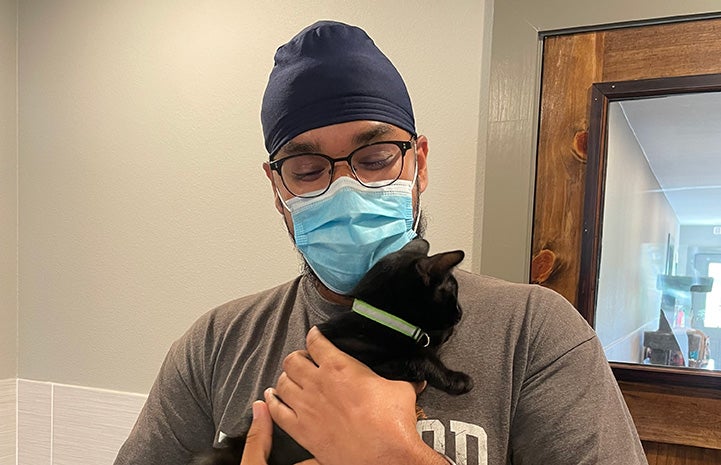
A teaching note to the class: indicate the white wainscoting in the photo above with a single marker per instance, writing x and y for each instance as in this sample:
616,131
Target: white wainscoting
8,421
72,425
35,406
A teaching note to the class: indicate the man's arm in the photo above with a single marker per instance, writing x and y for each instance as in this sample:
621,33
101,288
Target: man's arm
570,409
175,420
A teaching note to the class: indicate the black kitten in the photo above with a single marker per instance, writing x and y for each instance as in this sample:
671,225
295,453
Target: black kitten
408,284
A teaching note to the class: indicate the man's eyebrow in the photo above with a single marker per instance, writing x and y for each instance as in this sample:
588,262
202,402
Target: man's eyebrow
368,136
362,138
292,148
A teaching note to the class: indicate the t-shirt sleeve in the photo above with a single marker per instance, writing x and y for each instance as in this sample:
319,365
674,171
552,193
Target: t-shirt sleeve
570,409
175,420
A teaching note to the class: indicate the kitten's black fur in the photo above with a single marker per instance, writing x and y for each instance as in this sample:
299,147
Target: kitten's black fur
411,285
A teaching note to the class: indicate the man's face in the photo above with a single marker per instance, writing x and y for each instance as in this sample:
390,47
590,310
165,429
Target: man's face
337,141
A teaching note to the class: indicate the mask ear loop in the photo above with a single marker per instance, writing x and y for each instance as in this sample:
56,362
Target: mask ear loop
418,215
282,201
418,193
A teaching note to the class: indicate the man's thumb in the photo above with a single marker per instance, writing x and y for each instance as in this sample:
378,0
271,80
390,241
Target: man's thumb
260,436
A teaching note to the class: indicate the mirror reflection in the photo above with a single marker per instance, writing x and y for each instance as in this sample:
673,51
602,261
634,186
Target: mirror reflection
658,299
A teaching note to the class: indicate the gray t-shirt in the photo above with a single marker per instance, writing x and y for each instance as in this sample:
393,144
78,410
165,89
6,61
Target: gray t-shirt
544,393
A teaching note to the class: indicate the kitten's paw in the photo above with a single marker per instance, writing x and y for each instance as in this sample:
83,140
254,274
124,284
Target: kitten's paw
459,383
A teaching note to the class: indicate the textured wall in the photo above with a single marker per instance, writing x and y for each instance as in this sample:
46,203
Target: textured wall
8,190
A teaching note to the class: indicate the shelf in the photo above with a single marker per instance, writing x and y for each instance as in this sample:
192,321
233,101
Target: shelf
666,282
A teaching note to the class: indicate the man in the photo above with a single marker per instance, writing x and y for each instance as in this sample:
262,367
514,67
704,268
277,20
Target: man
347,169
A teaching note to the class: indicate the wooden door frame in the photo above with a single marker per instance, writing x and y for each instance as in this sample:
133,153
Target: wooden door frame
580,60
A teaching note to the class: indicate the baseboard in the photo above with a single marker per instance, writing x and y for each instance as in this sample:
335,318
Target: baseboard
8,421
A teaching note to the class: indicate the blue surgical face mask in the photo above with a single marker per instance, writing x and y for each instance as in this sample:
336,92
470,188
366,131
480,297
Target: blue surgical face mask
345,231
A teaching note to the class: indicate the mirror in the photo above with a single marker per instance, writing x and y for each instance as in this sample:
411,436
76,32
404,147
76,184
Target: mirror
651,245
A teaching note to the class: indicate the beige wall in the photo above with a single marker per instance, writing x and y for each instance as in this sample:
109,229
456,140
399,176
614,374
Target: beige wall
142,199
505,244
8,190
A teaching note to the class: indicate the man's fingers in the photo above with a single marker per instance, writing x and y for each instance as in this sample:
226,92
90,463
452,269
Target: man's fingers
320,349
260,436
287,389
283,415
298,361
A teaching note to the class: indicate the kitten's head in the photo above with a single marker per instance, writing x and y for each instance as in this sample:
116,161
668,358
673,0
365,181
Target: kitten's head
417,288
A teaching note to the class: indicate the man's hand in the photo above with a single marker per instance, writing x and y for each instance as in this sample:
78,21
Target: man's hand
260,436
344,413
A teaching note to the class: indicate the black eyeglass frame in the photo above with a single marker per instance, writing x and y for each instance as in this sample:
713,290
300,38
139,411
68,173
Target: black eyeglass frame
403,145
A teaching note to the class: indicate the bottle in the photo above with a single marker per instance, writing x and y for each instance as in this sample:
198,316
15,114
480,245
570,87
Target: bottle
679,317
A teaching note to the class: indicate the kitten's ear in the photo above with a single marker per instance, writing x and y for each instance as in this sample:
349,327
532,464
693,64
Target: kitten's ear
439,265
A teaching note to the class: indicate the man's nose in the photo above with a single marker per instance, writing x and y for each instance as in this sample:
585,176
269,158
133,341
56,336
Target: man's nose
342,169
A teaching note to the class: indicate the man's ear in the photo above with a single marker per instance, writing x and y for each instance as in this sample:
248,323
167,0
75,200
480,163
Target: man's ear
271,178
421,159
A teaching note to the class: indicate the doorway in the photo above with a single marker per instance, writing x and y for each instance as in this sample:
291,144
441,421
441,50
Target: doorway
673,420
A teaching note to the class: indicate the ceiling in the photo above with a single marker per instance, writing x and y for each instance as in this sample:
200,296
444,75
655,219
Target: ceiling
681,137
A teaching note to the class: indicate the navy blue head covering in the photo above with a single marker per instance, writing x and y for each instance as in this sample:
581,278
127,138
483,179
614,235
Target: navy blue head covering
327,74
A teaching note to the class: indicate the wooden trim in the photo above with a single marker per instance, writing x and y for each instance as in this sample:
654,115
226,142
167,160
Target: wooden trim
674,454
593,206
640,88
689,417
628,24
668,377
670,50
561,164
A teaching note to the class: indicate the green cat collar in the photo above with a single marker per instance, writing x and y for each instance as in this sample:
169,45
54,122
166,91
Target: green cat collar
391,321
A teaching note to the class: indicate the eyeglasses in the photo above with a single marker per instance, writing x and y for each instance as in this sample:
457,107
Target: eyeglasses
375,165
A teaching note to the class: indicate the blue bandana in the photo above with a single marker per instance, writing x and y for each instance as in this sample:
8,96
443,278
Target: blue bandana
327,74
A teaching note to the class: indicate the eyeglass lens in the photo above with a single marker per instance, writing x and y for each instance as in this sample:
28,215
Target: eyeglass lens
309,175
